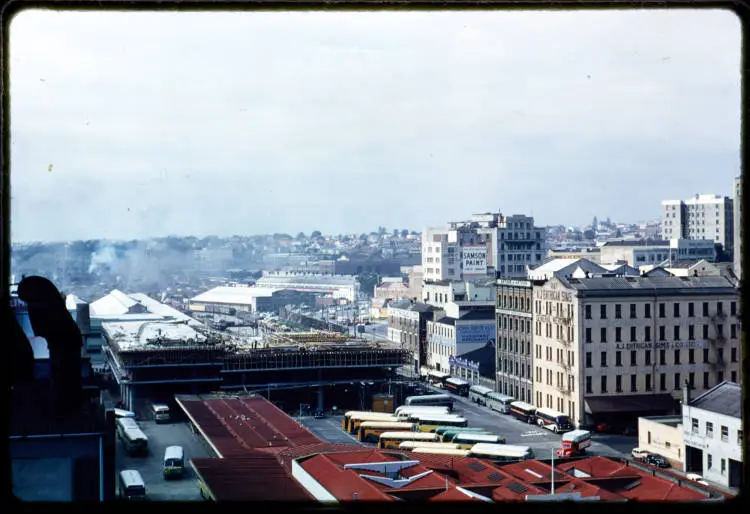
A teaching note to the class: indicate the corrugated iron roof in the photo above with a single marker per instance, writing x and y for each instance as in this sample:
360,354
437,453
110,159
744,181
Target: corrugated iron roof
255,476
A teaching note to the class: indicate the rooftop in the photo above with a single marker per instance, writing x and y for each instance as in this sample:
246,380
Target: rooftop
131,335
725,398
638,242
242,295
647,285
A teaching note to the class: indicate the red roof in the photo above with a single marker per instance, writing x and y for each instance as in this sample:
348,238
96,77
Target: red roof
452,494
343,484
252,477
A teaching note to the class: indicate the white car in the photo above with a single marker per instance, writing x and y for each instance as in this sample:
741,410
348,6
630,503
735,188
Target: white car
639,454
696,478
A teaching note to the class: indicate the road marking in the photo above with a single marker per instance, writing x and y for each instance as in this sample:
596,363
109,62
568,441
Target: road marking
533,433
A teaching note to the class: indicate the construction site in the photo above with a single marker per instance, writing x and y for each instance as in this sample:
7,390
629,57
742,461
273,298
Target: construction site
153,361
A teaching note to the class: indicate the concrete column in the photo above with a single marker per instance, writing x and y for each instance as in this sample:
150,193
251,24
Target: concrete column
320,391
131,397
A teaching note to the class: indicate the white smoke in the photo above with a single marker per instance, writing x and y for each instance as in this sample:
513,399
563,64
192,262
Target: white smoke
105,256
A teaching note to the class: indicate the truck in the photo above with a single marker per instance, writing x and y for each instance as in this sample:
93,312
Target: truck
574,443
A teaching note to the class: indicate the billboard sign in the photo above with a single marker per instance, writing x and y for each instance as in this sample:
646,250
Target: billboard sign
474,258
480,333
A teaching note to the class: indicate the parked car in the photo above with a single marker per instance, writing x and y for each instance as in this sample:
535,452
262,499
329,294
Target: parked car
656,460
319,414
639,454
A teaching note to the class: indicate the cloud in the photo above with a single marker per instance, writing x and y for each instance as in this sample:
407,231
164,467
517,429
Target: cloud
281,122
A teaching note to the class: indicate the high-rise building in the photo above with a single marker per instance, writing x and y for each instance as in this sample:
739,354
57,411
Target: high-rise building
514,338
701,217
488,244
738,227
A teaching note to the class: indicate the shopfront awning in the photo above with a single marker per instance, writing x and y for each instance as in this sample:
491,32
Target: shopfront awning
629,403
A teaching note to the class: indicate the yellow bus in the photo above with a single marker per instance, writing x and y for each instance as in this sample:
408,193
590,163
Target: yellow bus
348,416
466,440
356,419
406,410
410,445
431,422
394,439
370,431
456,452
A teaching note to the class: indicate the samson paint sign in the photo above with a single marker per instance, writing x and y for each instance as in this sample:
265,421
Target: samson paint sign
474,259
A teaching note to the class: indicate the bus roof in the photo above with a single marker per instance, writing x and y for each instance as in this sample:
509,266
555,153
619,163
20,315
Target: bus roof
429,397
426,444
523,405
480,438
127,423
358,412
480,389
441,451
386,424
499,396
373,416
575,435
435,373
503,450
122,413
424,436
131,477
551,412
427,408
457,430
135,433
436,417
173,452
457,381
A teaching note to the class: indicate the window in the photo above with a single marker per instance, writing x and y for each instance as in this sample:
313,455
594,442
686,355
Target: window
603,311
632,334
705,380
633,380
739,438
618,358
663,381
604,359
720,351
632,311
709,461
676,332
720,377
618,334
691,380
724,434
588,312
694,422
734,356
720,307
691,332
691,356
648,381
588,334
733,308
723,466
677,357
647,313
662,333
691,310
733,331
647,334
705,331
709,429
676,381
648,357
618,383
604,384
705,355
662,357
720,330
588,359
603,334
633,360
705,308
618,311
662,310
588,385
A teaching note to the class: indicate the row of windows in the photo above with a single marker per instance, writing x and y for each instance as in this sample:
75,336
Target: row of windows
561,357
561,380
604,308
676,384
508,323
677,357
507,345
522,393
514,368
695,429
514,302
559,406
676,335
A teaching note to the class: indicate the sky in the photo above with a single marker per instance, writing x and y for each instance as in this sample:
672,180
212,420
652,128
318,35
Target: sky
135,125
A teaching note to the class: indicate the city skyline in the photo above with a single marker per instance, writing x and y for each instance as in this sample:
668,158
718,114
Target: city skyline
411,119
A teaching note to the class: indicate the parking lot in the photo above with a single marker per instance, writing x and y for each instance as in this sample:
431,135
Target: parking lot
542,441
150,466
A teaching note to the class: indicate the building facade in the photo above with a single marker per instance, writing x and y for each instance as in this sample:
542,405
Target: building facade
514,361
610,349
407,325
461,330
662,435
488,244
712,425
444,292
654,252
738,227
701,217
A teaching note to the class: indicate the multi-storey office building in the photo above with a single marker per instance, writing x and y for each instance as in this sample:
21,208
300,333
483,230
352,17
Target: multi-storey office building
488,244
701,217
407,325
464,328
610,349
514,362
738,227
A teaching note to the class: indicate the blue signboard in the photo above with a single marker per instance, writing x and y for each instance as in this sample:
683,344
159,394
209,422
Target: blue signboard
480,333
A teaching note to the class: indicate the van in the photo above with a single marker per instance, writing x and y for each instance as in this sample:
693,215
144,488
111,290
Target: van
174,462
131,485
161,412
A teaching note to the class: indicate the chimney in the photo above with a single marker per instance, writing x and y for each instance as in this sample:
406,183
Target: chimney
686,393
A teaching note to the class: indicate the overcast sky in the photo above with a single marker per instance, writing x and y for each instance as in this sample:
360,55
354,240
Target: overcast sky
129,125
